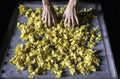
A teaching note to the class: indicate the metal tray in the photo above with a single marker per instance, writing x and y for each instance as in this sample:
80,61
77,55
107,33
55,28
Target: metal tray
107,69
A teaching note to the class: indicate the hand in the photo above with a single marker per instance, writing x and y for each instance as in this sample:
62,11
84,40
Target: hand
70,14
49,15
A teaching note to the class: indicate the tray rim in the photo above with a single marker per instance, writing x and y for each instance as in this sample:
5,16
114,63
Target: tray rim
8,35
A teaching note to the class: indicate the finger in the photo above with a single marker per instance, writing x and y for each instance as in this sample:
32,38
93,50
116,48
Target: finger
54,20
52,17
73,21
46,19
43,16
64,15
72,18
74,10
44,13
76,18
65,21
49,20
69,21
65,12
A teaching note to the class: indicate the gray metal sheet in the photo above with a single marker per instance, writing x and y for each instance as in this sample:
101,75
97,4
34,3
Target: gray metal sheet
107,69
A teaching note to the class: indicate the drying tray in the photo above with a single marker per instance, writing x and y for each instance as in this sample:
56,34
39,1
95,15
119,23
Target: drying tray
106,70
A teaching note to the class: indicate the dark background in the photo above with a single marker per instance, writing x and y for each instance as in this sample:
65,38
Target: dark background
111,13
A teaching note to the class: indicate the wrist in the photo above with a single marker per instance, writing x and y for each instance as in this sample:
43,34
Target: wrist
72,3
46,3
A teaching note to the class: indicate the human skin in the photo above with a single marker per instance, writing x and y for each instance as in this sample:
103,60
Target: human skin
70,14
49,15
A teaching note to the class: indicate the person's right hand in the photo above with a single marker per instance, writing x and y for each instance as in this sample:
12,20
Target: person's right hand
49,15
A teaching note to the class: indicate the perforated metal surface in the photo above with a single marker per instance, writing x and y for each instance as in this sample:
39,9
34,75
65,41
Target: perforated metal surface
105,71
